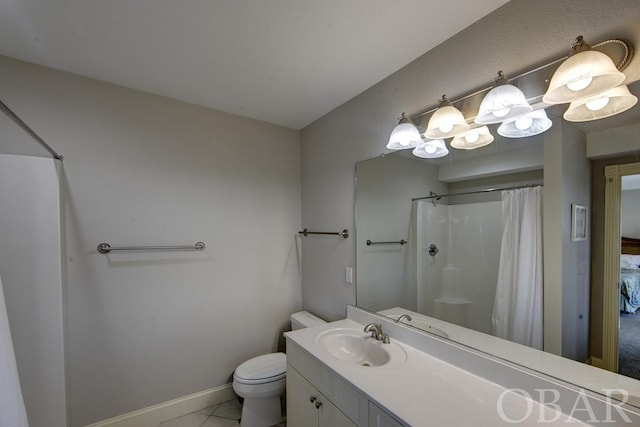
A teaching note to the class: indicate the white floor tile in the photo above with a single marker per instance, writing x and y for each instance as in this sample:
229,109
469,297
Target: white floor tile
189,420
208,410
230,409
220,422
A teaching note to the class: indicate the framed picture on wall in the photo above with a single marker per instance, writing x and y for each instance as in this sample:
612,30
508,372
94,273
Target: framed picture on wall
578,223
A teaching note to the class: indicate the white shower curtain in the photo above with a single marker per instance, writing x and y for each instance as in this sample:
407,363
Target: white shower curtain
517,309
12,411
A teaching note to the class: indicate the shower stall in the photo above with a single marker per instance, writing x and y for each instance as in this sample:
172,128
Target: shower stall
457,258
478,261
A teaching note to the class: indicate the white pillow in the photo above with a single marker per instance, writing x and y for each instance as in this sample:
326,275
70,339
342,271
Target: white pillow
629,261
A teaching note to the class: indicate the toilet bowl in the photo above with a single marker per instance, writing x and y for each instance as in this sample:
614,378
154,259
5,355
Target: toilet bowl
261,381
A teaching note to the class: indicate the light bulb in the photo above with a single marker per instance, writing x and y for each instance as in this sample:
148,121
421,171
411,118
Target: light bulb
430,148
597,104
445,127
524,123
501,112
580,84
404,139
472,136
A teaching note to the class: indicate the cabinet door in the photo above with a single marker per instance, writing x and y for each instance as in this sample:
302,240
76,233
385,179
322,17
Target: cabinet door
379,418
301,400
330,416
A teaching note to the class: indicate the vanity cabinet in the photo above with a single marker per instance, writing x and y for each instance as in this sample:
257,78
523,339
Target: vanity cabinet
379,418
318,397
340,404
307,407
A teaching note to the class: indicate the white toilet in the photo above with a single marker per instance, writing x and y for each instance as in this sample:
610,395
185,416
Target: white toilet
261,381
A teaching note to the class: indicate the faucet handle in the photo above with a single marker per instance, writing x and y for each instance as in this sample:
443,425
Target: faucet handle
375,329
384,338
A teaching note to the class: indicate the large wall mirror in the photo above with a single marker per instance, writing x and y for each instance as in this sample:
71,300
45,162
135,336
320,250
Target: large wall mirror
434,241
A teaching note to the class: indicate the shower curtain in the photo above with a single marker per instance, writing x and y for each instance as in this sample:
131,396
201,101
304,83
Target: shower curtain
12,411
517,309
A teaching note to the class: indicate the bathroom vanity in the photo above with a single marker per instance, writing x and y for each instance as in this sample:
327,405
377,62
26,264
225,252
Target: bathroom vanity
339,376
318,396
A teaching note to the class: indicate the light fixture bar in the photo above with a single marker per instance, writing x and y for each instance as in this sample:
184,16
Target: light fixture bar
624,61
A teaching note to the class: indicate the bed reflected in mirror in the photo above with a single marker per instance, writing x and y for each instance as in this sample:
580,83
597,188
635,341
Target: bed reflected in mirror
629,325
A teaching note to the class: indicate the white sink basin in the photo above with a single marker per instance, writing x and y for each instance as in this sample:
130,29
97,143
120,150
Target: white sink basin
356,347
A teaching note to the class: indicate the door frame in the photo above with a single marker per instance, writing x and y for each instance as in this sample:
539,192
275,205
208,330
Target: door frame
611,297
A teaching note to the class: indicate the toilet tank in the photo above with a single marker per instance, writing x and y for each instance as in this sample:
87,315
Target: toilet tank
304,319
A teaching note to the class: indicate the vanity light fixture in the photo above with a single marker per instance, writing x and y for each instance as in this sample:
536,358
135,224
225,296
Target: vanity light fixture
405,135
502,103
607,104
446,122
431,149
588,79
528,125
472,139
585,73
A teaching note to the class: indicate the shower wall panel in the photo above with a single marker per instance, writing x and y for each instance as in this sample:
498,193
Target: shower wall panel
464,271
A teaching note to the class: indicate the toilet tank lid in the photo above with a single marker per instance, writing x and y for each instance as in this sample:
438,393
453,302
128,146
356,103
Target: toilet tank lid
262,367
304,319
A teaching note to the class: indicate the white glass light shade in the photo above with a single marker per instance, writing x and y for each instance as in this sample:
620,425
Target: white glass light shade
446,122
502,103
607,104
528,125
431,149
405,135
582,75
472,139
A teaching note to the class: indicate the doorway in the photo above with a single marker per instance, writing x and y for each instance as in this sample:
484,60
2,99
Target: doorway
621,304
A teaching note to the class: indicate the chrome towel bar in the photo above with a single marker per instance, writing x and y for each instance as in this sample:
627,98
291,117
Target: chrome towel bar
401,242
105,248
344,233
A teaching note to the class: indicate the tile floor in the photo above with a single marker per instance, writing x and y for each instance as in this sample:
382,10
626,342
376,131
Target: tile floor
226,414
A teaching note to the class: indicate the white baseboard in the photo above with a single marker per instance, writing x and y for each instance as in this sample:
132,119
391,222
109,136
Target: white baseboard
154,415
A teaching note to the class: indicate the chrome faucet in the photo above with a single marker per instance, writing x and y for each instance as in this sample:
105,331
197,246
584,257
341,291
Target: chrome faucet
376,332
404,317
375,329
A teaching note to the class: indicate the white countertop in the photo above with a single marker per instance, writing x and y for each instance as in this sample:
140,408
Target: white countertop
425,390
567,370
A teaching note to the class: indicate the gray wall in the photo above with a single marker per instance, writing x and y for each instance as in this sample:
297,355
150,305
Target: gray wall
385,212
576,179
630,214
566,263
515,37
139,169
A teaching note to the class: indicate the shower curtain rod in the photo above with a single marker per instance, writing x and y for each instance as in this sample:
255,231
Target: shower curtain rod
17,120
437,196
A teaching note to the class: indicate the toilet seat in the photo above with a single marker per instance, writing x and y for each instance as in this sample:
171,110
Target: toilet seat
262,369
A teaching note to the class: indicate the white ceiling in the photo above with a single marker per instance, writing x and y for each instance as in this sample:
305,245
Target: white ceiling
287,62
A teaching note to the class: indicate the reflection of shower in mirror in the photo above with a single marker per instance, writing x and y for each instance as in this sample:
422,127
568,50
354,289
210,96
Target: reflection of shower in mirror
458,286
